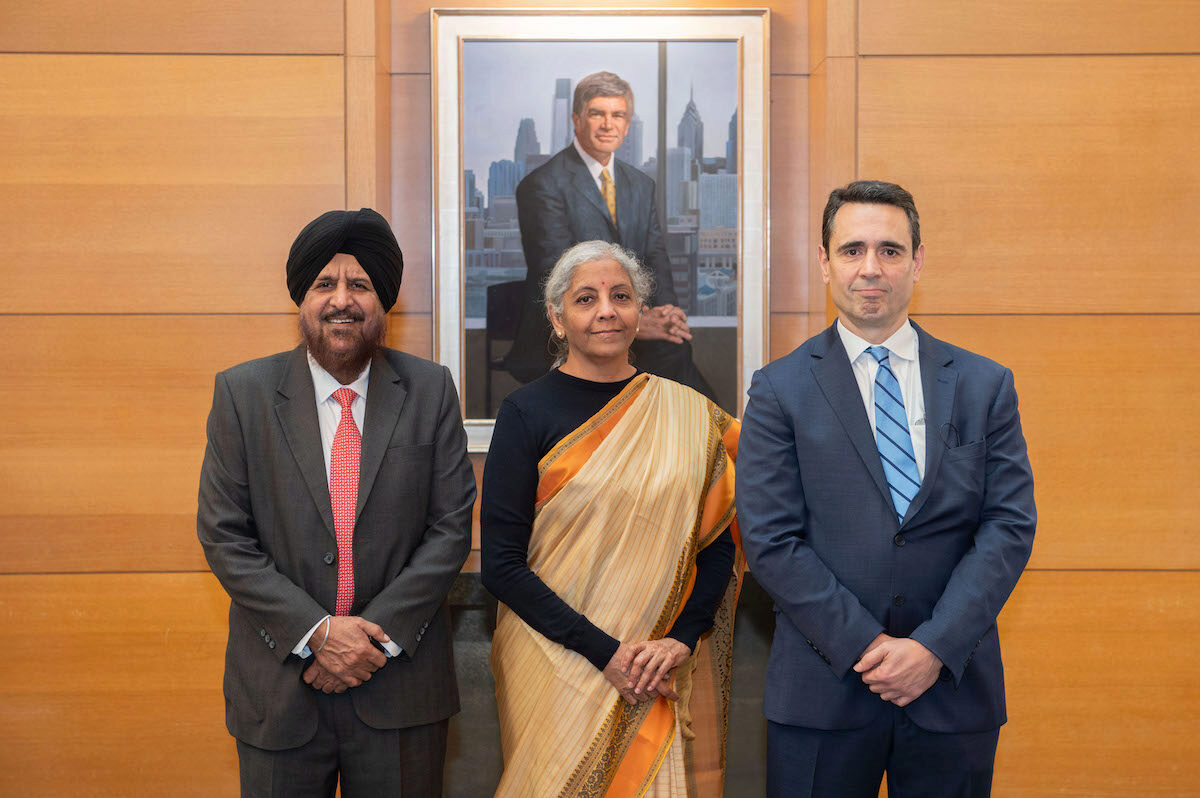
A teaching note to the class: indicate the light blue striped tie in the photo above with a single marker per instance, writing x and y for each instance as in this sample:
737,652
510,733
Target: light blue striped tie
892,435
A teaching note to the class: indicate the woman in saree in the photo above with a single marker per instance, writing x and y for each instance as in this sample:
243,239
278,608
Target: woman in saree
608,538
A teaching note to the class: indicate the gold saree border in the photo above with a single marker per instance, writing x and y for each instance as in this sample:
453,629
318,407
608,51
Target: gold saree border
631,743
569,455
621,762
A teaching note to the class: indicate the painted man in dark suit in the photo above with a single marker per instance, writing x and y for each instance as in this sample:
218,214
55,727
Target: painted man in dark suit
584,194
335,509
886,504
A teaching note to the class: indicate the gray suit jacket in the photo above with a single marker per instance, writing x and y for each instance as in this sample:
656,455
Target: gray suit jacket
558,206
821,535
266,526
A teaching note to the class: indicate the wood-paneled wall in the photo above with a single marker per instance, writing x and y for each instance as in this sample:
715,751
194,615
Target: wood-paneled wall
1049,150
158,161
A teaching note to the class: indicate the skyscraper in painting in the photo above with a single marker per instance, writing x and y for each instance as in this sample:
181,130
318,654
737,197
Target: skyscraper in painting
631,148
690,130
731,152
503,177
561,129
527,143
718,201
680,181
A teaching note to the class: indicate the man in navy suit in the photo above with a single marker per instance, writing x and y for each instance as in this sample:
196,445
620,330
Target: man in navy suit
886,504
585,194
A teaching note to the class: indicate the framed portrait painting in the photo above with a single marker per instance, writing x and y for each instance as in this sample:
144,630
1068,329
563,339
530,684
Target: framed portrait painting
504,106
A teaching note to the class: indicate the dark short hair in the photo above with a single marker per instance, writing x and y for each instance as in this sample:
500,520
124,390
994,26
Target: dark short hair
600,84
871,192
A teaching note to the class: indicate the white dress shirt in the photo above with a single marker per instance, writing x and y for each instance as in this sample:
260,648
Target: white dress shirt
329,415
594,167
904,358
329,412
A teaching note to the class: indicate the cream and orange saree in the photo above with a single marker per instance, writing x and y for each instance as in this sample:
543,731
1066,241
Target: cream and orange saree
624,503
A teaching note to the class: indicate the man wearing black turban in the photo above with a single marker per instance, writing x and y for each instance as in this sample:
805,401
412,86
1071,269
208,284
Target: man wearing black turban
337,528
364,234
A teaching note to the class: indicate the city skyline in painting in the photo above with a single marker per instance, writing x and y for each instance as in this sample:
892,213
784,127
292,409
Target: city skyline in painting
511,128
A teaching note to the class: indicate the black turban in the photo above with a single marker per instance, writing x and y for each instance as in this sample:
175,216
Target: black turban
364,234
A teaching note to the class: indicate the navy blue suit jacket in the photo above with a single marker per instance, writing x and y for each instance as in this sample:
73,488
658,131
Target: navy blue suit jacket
821,535
558,206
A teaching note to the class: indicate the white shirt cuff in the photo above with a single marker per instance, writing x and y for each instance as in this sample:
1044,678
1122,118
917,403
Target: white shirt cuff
302,650
391,648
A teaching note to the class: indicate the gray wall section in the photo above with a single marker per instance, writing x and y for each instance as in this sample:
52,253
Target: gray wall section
473,761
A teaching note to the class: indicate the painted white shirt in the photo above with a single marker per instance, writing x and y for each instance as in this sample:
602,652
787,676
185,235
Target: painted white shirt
594,166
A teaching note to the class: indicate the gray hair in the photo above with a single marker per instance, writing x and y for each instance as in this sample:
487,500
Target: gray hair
559,280
601,84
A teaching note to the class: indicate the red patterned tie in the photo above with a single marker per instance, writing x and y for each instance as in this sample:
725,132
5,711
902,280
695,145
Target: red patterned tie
343,495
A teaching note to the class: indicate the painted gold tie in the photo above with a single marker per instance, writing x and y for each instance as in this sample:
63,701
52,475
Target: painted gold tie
608,189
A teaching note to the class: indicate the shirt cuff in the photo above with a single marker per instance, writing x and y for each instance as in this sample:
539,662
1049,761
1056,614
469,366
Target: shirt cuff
302,650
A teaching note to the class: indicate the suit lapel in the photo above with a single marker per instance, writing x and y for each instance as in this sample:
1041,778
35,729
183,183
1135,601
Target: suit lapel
585,186
938,383
836,379
385,396
297,414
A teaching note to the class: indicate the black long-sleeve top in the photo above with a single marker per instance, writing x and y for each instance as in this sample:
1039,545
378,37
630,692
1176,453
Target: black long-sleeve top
531,421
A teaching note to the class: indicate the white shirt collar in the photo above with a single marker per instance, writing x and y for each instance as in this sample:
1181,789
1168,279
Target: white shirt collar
325,383
594,166
902,343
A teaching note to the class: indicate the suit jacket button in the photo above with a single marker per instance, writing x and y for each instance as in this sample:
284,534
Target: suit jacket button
271,644
898,540
898,601
262,632
329,558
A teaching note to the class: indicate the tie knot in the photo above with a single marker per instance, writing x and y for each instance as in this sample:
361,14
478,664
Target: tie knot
344,397
880,353
605,176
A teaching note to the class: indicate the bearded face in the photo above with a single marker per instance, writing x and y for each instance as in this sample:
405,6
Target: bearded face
341,319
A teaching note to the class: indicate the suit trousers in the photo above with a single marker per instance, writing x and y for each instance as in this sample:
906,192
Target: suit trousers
816,763
371,762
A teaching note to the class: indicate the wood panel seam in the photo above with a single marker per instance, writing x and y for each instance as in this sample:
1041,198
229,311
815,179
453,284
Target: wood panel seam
157,53
1183,53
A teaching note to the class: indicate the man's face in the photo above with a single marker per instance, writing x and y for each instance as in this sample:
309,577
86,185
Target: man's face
601,127
870,268
341,318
